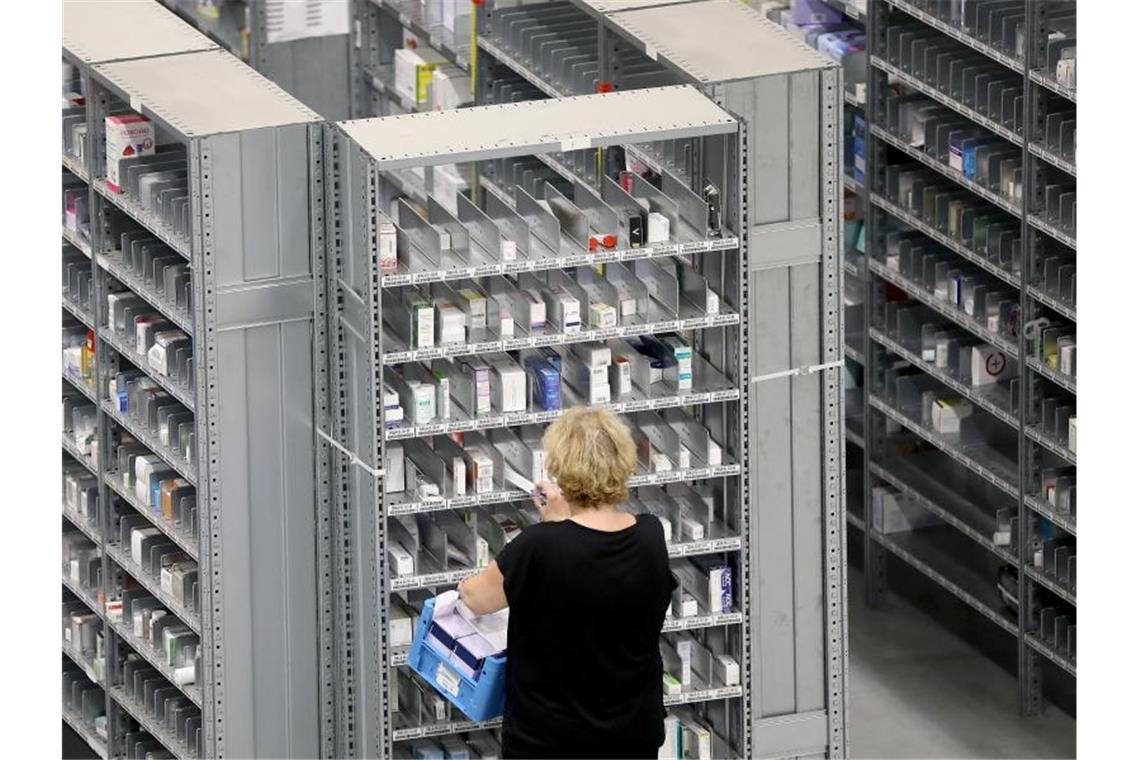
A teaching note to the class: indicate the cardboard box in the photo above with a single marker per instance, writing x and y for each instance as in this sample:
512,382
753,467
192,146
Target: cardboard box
892,512
413,72
946,414
386,237
508,385
128,135
988,365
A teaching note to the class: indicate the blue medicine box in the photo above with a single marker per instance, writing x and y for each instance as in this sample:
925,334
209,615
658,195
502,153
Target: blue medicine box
481,696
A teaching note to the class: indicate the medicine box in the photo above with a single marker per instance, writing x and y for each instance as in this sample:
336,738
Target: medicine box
413,75
892,512
128,135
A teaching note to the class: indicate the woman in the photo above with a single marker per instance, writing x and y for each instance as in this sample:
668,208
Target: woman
588,589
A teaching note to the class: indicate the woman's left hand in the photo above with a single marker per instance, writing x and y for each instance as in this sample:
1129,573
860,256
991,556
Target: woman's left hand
550,502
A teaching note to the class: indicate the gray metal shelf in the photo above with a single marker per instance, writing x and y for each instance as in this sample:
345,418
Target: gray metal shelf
77,657
920,483
453,577
443,729
1051,444
85,596
945,309
1005,204
155,659
153,726
1067,382
936,94
1052,231
1048,156
150,440
1053,85
649,251
144,218
154,587
1068,522
972,459
70,447
79,313
507,59
1056,658
693,474
86,733
76,242
1053,586
180,317
637,404
403,356
931,552
81,523
76,167
956,34
177,390
994,399
1062,308
79,385
187,543
950,243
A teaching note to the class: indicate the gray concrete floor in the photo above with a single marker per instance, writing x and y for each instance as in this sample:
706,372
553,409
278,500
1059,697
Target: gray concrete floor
919,691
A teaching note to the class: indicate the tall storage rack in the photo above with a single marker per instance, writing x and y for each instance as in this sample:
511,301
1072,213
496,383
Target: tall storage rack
363,176
239,526
797,636
313,69
993,506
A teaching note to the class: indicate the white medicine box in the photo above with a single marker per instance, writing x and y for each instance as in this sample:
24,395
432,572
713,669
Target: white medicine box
128,135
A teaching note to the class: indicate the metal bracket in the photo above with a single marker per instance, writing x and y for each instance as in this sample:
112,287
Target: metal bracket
807,369
352,457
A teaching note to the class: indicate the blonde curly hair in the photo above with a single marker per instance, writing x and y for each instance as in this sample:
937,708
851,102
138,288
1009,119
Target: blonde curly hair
591,455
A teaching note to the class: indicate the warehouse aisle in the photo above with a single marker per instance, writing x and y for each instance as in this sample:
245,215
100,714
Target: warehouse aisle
919,691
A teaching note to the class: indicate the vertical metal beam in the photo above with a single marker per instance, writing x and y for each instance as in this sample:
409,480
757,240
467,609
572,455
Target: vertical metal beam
321,422
97,109
833,476
874,556
1029,663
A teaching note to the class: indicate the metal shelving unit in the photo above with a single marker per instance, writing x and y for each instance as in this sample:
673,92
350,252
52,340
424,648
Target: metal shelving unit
303,50
241,149
624,46
992,476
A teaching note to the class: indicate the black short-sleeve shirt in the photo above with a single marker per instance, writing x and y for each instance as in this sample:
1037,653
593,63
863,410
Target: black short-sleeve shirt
583,667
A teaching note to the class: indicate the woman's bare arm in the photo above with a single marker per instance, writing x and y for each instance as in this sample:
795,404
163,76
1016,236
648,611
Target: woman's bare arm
483,593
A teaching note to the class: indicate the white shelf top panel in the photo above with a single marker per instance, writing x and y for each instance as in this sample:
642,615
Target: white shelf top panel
98,31
204,93
616,6
717,40
538,126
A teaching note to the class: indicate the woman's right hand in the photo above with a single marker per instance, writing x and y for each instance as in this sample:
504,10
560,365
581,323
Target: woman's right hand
550,502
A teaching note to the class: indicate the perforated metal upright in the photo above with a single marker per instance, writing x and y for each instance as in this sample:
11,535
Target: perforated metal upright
260,604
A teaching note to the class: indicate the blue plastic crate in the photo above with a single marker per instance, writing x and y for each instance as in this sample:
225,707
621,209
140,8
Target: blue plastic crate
481,697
